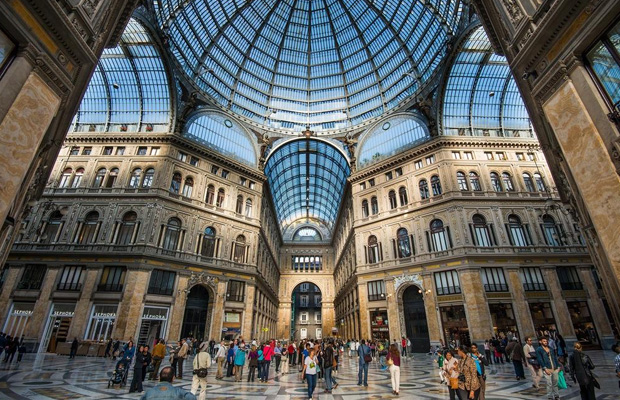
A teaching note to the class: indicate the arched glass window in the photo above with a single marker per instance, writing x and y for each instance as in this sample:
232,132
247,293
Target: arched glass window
208,243
481,232
403,243
220,198
127,228
474,181
188,187
101,173
248,208
540,183
436,185
507,179
517,232
402,194
136,175
461,180
172,234
89,229
527,181
239,249
551,231
210,198
175,184
392,198
374,205
65,178
495,182
52,228
365,212
77,179
148,178
424,189
112,178
239,206
373,250
440,240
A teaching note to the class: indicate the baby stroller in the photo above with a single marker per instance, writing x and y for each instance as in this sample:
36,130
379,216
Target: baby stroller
119,376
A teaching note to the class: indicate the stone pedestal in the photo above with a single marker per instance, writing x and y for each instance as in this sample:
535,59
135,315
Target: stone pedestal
476,307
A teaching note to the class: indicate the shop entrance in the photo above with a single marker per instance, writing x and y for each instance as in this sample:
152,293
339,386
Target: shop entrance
455,329
57,327
195,318
415,320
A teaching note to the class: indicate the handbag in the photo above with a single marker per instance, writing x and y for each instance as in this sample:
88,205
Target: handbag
367,357
200,372
561,380
390,362
454,383
334,363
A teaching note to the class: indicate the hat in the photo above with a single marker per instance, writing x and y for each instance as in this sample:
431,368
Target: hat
515,339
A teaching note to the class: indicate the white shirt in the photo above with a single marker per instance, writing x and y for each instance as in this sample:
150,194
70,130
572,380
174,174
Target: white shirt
310,365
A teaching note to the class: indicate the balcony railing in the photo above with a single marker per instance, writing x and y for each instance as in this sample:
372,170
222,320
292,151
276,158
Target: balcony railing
232,297
69,286
110,287
496,287
534,287
448,290
376,297
29,285
571,285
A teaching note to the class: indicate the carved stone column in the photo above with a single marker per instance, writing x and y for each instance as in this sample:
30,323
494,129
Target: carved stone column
42,306
80,321
560,309
246,327
520,304
476,307
130,309
363,324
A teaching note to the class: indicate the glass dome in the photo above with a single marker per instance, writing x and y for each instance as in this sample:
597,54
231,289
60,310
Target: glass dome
329,64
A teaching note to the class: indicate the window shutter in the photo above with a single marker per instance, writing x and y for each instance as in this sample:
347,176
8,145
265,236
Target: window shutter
473,236
413,252
366,254
394,248
509,235
542,229
449,236
528,235
428,241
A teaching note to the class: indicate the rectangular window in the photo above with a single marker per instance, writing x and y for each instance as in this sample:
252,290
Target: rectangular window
194,161
569,278
101,322
235,291
214,169
398,171
112,279
363,186
242,181
107,151
388,176
456,155
303,300
141,151
182,156
7,51
32,277
154,151
225,173
120,151
74,151
494,280
430,160
376,290
469,155
371,182
604,63
531,156
447,282
501,155
307,263
87,151
488,155
304,287
418,164
317,300
317,319
70,278
520,156
303,318
161,282
532,279
252,185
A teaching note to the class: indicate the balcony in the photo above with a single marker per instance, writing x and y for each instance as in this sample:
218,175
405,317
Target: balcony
496,287
231,297
29,285
110,287
571,285
69,286
535,287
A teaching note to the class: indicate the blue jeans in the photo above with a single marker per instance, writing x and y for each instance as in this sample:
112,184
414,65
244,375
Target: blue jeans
363,369
329,380
311,379
266,370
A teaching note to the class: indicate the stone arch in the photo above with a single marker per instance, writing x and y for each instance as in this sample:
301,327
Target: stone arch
418,332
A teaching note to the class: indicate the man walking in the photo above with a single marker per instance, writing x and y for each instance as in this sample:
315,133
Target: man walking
403,346
74,348
362,351
532,363
159,352
179,358
328,363
220,356
548,361
202,361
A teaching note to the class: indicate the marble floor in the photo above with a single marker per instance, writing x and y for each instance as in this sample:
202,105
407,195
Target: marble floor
50,376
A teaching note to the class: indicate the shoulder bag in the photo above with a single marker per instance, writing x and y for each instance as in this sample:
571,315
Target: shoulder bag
367,357
200,372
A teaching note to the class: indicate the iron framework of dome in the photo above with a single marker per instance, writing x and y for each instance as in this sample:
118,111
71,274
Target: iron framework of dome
327,64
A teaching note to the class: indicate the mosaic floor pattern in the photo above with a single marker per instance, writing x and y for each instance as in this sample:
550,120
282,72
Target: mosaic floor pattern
49,376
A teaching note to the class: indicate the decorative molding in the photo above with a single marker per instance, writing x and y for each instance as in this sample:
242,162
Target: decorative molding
416,279
201,278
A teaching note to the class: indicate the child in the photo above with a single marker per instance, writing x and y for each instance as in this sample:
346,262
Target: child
439,362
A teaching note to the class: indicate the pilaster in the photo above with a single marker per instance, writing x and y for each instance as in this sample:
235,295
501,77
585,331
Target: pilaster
476,307
218,311
130,310
394,305
7,291
246,327
79,322
364,319
432,311
178,310
41,307
597,309
560,309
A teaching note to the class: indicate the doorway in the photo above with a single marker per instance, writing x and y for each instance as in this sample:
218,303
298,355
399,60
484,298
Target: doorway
415,320
195,318
306,318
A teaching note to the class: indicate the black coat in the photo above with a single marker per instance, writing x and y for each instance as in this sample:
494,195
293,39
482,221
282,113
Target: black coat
580,367
139,361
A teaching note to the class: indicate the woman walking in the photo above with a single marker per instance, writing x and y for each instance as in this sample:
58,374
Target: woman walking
309,372
136,383
581,367
239,362
469,384
253,364
450,368
393,361
284,361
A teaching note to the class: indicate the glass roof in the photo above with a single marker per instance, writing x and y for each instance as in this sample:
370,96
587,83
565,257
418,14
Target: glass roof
329,64
218,132
307,178
481,97
129,89
392,136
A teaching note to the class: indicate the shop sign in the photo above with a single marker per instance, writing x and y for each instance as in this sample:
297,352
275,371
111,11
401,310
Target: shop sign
155,313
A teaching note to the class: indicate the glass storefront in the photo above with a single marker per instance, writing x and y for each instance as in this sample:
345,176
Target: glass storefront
583,323
455,328
379,325
154,324
19,318
503,318
102,321
542,317
57,328
232,325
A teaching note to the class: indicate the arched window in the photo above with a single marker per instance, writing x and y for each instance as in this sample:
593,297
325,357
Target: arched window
112,178
89,229
551,231
373,250
392,198
136,175
461,180
175,184
495,182
436,185
127,228
210,194
188,187
527,181
439,236
220,198
172,234
364,208
402,194
507,179
481,232
65,178
517,233
52,228
248,208
99,177
423,189
239,248
208,243
374,205
77,178
474,181
540,183
239,206
148,178
403,244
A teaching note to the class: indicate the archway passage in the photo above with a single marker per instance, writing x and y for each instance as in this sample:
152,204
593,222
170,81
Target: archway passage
306,315
415,320
195,318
